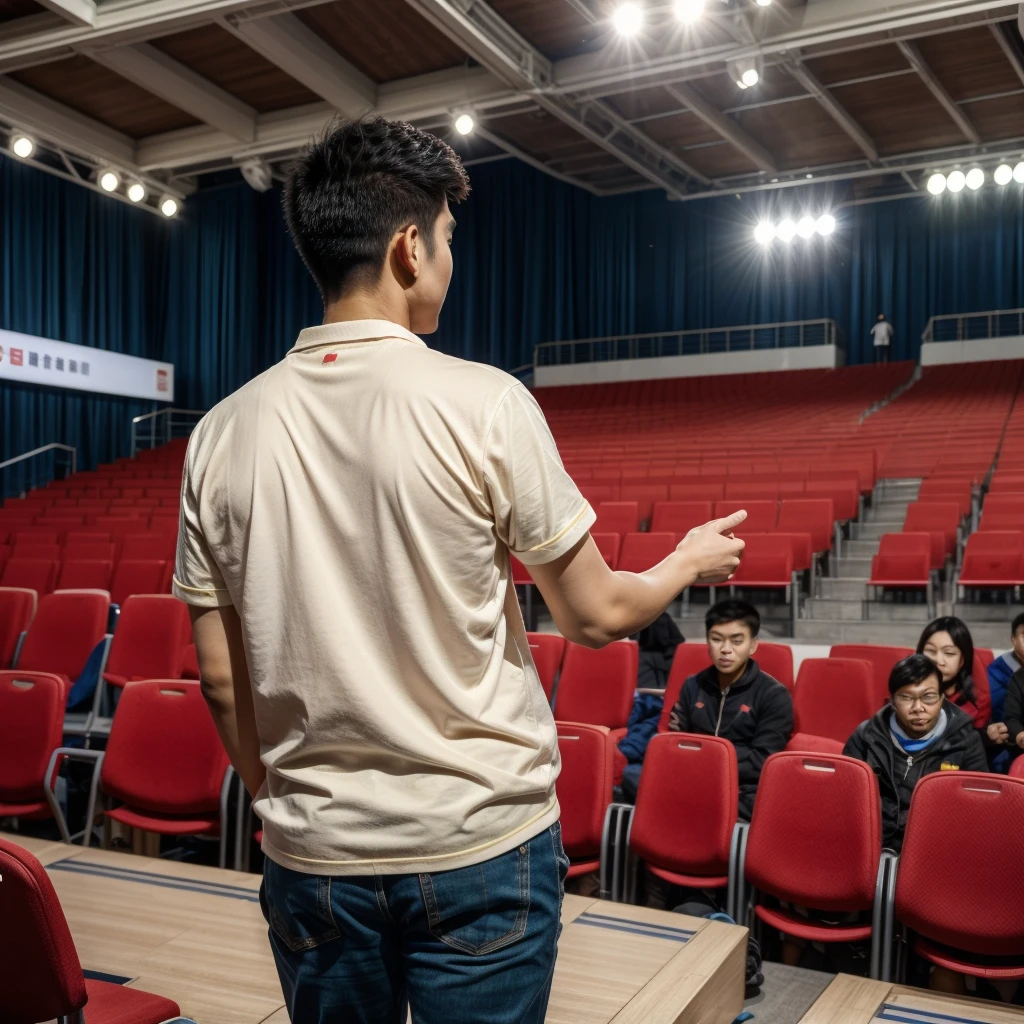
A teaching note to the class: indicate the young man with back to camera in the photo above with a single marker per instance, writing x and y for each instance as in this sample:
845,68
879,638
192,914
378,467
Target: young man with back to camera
917,733
346,524
733,698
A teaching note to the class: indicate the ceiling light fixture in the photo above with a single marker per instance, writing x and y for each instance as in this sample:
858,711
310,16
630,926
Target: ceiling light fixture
109,180
826,224
169,206
689,11
937,183
785,231
136,191
628,19
1018,172
975,178
464,124
764,233
956,181
806,226
22,146
1003,175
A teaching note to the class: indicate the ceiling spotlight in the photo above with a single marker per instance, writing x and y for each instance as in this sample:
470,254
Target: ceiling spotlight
169,206
785,231
937,184
464,124
1018,172
628,19
745,73
826,224
975,178
257,174
1004,174
23,146
109,180
764,233
136,191
806,226
764,3
689,10
956,181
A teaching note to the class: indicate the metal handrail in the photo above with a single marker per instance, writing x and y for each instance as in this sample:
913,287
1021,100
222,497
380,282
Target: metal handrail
153,419
997,323
701,341
54,446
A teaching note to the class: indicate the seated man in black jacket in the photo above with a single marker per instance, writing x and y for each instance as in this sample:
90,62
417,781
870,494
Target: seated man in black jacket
919,732
733,698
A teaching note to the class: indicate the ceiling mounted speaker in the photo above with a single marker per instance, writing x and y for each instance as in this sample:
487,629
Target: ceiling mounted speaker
258,174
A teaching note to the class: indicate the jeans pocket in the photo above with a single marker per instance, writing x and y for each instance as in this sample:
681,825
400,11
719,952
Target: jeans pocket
482,908
297,907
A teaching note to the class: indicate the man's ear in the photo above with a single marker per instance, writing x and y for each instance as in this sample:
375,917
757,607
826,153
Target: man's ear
408,251
753,646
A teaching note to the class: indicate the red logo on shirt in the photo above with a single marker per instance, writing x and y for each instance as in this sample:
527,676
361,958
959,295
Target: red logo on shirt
744,708
330,357
699,704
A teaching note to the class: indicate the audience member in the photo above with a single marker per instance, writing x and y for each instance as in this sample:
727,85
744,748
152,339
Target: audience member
916,734
734,698
1001,671
1010,731
947,642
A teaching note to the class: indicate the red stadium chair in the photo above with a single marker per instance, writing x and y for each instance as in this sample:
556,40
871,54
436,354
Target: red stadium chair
138,577
958,922
679,517
141,547
686,832
980,570
697,490
37,535
808,744
801,546
548,651
88,551
30,574
688,660
620,517
92,574
31,727
768,564
608,545
815,841
882,660
152,633
43,976
761,515
833,696
645,495
935,517
584,790
36,552
597,687
905,562
17,610
642,551
777,661
1017,768
844,495
937,489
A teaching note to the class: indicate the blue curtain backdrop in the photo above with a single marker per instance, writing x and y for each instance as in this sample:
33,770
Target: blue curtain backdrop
221,293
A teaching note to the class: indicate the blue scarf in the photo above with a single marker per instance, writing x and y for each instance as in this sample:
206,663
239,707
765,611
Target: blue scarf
915,746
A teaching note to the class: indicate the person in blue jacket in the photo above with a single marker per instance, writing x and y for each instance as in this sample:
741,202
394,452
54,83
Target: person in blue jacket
1001,671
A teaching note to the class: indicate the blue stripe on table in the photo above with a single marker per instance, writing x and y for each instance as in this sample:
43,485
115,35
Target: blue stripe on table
79,867
624,924
913,1015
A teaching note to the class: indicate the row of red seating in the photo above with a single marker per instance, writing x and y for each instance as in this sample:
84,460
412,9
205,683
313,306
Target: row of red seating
45,576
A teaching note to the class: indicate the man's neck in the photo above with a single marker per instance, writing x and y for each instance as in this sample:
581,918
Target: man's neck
361,304
725,682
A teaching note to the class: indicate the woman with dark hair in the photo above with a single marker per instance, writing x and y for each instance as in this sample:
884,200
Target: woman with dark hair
947,642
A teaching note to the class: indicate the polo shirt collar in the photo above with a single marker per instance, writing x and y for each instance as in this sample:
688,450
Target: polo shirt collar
348,331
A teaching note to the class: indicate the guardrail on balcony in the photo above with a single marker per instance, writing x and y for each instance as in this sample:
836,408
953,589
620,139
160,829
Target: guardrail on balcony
26,471
997,323
748,338
157,428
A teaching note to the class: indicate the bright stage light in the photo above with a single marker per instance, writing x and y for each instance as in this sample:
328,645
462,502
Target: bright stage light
975,178
109,180
764,3
764,233
937,184
136,191
23,146
1018,172
628,19
956,181
785,231
169,206
1004,174
745,73
750,78
805,226
689,11
826,224
464,124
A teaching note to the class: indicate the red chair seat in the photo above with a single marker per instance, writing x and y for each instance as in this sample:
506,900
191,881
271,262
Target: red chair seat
583,867
118,1004
165,826
690,881
37,809
944,958
793,924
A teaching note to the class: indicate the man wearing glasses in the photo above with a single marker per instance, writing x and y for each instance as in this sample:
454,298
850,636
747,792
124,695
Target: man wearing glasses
915,734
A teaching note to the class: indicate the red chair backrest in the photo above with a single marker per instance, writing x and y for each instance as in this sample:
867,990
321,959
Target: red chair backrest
141,547
77,551
67,627
688,660
882,660
608,545
905,544
986,542
30,574
680,517
152,633
31,727
642,551
37,552
816,832
85,575
777,661
547,650
686,804
42,974
137,577
761,515
833,696
977,910
164,754
17,609
989,567
584,786
190,663
808,744
815,516
1017,768
932,516
766,559
617,517
597,687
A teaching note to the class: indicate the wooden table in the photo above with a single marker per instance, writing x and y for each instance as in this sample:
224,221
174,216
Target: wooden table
196,935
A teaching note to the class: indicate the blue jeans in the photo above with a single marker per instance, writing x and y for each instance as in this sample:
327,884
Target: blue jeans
475,945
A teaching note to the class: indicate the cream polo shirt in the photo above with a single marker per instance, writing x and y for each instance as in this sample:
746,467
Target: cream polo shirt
356,503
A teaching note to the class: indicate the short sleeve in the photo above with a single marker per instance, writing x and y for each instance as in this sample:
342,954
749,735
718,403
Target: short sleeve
197,578
539,512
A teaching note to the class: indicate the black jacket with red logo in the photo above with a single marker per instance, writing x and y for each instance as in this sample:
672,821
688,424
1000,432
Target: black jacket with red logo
755,714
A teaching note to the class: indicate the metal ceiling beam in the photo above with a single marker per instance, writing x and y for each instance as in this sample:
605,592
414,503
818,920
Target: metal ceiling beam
513,150
298,51
835,110
489,39
154,71
938,90
724,126
77,12
1013,55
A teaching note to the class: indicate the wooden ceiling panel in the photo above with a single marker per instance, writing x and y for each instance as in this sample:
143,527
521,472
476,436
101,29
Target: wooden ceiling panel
11,9
722,92
681,129
543,136
969,63
900,118
100,93
800,134
216,54
385,39
1001,118
643,103
720,161
555,27
841,67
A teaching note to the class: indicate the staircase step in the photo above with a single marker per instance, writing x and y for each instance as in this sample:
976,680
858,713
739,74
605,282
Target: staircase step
852,568
860,549
887,512
834,609
993,614
873,530
837,587
897,634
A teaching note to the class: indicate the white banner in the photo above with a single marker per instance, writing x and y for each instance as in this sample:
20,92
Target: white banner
59,364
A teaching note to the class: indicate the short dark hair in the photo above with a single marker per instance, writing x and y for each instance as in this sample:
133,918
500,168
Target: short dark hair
356,185
732,610
910,671
1016,624
963,641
